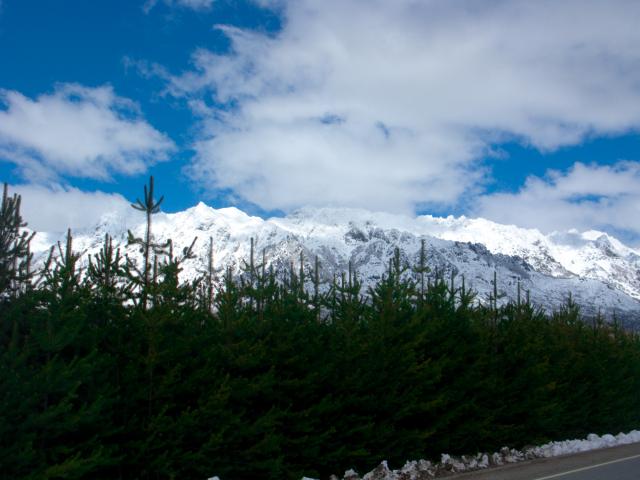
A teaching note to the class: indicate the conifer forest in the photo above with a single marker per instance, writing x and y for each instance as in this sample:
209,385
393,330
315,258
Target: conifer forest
120,370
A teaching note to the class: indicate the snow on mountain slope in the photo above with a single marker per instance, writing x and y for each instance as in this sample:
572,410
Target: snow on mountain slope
598,269
591,254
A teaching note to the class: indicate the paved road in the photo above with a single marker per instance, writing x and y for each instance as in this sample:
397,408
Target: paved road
626,469
617,463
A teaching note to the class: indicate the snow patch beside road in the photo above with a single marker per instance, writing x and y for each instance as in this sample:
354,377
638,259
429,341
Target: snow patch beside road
424,469
592,442
448,464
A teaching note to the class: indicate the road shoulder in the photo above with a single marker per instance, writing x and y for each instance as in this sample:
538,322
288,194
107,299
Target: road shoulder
545,467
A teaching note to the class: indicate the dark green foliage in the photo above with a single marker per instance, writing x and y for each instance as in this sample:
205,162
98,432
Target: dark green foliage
104,374
56,397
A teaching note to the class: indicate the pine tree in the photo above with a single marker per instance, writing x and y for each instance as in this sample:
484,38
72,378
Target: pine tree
261,386
206,287
148,247
61,427
422,269
105,273
15,255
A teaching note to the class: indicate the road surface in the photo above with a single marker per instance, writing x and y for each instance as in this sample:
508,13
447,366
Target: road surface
617,463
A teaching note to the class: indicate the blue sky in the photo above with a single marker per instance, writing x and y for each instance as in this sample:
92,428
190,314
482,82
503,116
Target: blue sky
521,112
91,43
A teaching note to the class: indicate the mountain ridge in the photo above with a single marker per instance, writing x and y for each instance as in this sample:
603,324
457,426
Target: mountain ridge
598,269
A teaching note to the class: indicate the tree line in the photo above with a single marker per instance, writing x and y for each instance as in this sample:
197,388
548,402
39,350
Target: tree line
123,371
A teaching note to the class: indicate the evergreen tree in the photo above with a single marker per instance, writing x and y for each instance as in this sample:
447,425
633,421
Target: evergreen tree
15,256
112,372
62,424
143,276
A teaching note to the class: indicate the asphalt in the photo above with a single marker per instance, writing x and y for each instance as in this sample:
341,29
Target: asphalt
616,463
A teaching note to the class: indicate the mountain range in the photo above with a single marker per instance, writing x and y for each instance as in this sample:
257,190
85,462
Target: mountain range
600,272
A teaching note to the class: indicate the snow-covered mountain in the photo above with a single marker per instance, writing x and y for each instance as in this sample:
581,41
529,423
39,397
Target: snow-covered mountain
596,268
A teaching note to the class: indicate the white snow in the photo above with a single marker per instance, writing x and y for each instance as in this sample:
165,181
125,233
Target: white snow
592,442
448,464
598,269
419,469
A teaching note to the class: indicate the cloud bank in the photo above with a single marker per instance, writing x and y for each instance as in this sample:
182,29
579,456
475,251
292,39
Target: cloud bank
77,131
198,5
56,208
585,197
393,105
384,105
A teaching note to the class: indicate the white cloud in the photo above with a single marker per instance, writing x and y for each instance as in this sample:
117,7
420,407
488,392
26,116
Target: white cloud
198,5
56,208
77,131
584,197
282,165
389,105
195,4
